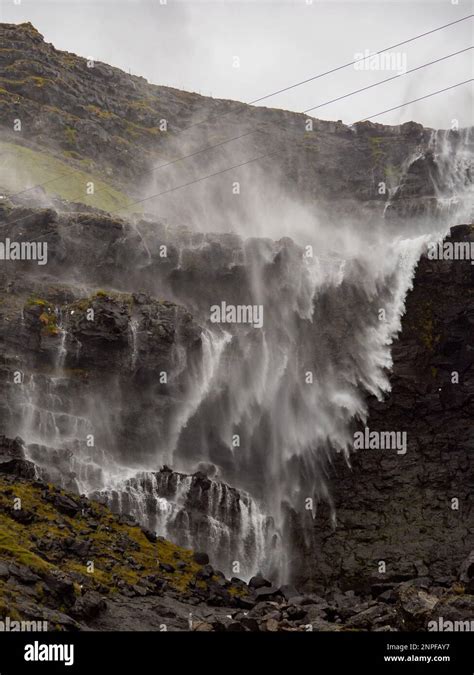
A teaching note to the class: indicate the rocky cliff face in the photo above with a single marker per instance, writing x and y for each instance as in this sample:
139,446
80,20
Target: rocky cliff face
117,127
411,511
69,564
216,435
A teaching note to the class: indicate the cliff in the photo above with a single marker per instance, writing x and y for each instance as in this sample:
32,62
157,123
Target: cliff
115,384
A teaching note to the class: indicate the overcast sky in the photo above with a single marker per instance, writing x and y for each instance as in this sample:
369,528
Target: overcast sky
197,45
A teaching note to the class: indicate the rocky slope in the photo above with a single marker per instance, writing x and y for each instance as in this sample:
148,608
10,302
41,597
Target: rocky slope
71,564
413,511
116,127
106,356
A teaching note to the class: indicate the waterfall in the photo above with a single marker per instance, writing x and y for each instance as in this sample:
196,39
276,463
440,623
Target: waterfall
134,342
199,379
250,416
199,513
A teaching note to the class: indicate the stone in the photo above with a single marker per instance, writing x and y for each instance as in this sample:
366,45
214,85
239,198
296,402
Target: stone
89,605
271,625
200,558
4,571
415,605
267,592
66,505
151,536
258,581
466,570
205,573
23,574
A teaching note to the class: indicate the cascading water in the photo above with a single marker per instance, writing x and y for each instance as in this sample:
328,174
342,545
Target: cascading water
262,408
197,512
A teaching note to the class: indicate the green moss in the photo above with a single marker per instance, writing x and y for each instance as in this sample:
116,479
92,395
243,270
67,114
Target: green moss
39,81
71,135
72,154
50,322
36,302
23,168
47,318
375,143
392,172
12,550
423,327
17,543
103,114
125,298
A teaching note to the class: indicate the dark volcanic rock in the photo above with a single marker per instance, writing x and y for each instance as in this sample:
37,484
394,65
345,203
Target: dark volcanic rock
259,581
401,510
89,605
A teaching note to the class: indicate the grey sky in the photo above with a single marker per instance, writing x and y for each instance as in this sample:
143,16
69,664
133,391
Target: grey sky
193,45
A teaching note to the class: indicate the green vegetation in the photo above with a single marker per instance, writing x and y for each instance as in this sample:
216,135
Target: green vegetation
36,302
425,327
392,172
71,135
22,168
375,143
103,114
18,543
49,321
116,296
47,317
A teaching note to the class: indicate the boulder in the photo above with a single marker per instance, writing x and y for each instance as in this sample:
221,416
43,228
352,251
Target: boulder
89,605
268,593
201,558
415,606
258,581
466,571
66,504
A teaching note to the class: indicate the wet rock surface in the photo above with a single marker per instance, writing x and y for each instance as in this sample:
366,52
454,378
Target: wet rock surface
400,515
122,126
52,583
401,554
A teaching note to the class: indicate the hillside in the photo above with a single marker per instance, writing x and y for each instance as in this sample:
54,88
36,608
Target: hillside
125,411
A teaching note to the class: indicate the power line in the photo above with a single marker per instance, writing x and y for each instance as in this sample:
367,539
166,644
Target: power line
269,123
328,72
388,79
197,180
415,100
254,159
178,187
341,67
248,133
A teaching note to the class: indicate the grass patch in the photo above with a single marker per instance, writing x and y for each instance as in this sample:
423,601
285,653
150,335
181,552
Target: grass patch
22,168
